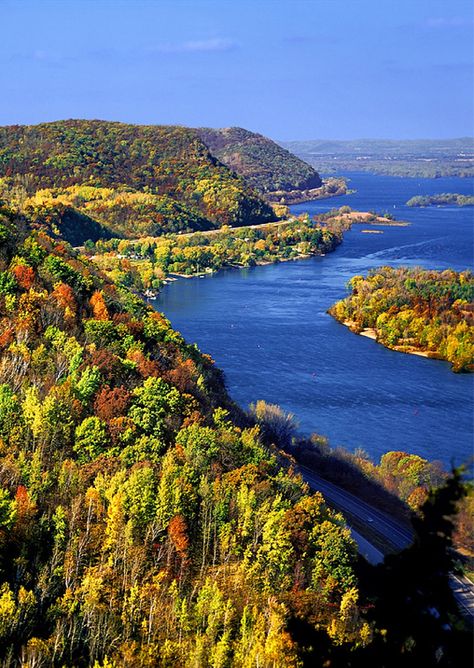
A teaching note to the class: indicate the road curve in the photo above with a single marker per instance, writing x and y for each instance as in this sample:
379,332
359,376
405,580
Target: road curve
366,549
391,530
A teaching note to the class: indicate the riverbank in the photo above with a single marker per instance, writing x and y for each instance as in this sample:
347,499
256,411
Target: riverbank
269,331
332,187
363,217
145,265
371,333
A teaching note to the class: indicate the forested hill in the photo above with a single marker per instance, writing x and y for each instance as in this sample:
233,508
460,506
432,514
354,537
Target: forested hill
146,521
132,179
141,524
262,162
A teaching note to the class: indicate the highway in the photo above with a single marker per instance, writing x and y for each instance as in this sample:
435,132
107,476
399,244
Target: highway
366,549
463,591
392,531
388,528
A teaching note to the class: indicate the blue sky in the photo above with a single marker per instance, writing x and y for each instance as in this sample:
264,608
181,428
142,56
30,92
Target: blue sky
291,69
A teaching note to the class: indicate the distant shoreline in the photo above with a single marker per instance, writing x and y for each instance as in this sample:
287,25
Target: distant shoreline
333,186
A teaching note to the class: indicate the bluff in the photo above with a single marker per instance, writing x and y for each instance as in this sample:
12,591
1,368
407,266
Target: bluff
263,163
133,180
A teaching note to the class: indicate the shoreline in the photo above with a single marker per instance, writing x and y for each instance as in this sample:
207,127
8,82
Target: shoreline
290,197
371,333
352,218
345,218
171,278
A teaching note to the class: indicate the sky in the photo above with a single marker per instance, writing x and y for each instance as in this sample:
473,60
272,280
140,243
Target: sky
290,69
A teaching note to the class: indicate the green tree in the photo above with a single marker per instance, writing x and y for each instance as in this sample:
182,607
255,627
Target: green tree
90,438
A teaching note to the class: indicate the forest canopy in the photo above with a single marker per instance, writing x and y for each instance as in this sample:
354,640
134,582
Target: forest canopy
144,520
134,180
415,310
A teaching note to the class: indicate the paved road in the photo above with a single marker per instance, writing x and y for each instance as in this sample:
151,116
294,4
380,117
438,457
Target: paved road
390,529
366,549
463,591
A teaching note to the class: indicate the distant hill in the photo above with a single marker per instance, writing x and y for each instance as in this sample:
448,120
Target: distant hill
432,147
134,180
417,157
262,162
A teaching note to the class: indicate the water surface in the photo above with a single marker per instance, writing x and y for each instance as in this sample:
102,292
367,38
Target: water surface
268,329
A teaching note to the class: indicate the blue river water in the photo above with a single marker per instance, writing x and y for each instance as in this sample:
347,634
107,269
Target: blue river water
268,329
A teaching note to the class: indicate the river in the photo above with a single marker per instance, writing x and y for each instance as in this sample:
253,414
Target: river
268,329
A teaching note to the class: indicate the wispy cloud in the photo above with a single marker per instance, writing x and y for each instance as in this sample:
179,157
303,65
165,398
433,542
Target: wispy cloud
214,44
448,22
40,56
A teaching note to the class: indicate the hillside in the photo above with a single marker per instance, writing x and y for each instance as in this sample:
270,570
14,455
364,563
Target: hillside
262,162
143,519
134,180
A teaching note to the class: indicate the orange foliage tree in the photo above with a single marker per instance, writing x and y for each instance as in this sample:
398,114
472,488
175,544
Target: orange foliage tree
111,403
24,275
99,306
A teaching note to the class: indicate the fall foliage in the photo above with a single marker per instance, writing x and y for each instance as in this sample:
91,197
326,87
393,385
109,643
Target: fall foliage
415,310
144,520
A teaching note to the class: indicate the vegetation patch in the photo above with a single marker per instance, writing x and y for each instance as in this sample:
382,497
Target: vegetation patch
444,199
415,311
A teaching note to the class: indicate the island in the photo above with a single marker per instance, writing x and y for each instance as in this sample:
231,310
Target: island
411,310
442,200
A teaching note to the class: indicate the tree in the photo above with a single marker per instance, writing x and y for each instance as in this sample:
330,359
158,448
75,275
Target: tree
111,402
139,499
87,384
154,405
24,276
91,438
63,294
276,424
8,510
99,307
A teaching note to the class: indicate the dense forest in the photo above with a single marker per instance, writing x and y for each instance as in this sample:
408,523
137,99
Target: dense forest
146,521
262,162
141,520
133,180
443,199
415,310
